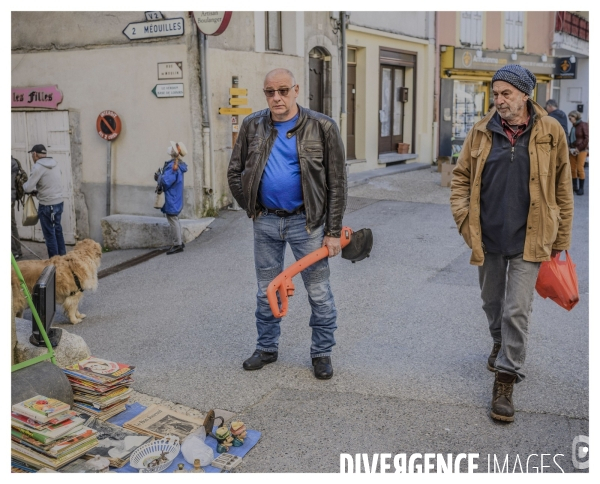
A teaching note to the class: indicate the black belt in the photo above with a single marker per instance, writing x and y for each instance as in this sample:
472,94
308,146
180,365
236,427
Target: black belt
285,213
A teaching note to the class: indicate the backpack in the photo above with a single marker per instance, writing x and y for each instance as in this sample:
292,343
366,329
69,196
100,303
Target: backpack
20,179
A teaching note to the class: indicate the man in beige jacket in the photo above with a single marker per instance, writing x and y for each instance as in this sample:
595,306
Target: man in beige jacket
512,201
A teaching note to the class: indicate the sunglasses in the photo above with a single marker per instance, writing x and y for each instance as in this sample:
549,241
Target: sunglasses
282,92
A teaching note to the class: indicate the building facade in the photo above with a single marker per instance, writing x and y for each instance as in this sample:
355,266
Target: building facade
374,73
473,45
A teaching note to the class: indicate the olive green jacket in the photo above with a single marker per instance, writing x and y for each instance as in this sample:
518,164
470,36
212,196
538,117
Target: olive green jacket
550,189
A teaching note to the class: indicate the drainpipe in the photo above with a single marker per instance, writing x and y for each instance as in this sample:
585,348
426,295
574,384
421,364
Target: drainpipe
343,76
436,92
209,169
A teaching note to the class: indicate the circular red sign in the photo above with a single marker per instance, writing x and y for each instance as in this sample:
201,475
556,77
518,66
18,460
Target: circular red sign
108,125
212,23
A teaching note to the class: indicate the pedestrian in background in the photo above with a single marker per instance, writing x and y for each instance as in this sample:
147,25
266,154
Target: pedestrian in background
511,217
46,180
560,116
15,241
171,181
579,138
287,170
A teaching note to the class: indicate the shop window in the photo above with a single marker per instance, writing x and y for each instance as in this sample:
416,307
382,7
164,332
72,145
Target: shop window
273,31
513,30
471,29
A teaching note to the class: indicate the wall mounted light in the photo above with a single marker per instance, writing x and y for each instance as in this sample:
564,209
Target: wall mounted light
479,53
513,56
443,48
573,59
544,57
448,72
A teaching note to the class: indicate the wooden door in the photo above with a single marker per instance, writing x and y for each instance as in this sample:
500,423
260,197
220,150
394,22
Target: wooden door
52,130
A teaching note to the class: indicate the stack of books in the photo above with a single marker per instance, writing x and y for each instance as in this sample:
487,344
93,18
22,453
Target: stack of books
100,387
45,432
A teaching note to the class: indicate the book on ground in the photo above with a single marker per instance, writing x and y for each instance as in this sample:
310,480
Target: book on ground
41,408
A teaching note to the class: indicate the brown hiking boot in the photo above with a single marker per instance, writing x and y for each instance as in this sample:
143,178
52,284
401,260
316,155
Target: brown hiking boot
502,404
493,356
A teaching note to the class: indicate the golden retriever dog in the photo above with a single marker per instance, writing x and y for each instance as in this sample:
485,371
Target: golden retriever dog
76,272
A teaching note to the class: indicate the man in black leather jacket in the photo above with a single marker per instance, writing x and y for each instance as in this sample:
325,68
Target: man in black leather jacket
287,170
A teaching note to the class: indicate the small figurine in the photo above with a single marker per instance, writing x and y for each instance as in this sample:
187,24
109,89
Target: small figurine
197,467
180,469
224,439
238,431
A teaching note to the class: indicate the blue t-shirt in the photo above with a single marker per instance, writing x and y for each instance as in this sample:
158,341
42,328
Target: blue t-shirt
281,186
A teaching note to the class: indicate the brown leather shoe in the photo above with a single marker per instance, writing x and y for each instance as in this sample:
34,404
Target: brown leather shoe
493,356
502,402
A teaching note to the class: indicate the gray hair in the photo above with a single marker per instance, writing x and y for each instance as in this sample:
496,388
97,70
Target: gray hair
576,115
552,102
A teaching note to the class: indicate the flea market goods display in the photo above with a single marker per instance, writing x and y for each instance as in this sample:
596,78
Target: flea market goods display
156,456
101,388
160,421
114,442
51,434
232,436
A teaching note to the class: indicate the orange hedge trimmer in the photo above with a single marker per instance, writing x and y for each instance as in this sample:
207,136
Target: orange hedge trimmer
355,247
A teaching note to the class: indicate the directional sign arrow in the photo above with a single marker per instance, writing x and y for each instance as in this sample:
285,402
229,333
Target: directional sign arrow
158,28
235,110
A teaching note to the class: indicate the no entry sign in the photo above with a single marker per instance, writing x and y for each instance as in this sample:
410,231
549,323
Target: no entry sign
108,125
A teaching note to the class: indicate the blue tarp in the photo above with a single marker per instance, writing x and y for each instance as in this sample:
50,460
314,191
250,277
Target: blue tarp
135,409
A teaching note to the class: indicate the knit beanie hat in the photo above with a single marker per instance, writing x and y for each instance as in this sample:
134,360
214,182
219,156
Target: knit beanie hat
523,79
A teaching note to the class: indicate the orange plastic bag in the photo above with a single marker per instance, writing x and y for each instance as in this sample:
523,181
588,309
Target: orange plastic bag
557,280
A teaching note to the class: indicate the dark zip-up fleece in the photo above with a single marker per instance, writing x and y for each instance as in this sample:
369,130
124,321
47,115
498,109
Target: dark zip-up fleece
505,190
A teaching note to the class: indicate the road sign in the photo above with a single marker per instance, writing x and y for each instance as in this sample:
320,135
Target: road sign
235,110
168,90
238,91
152,16
170,70
108,125
238,101
212,23
158,28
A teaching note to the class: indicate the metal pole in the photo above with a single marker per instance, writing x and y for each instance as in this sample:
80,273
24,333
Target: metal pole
343,127
108,177
206,146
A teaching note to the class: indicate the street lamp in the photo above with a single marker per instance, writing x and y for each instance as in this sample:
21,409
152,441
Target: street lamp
544,57
513,56
573,59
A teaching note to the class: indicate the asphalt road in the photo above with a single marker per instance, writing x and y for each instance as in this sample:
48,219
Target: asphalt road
412,343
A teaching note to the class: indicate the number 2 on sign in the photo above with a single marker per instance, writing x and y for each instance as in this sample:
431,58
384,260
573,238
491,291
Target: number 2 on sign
133,30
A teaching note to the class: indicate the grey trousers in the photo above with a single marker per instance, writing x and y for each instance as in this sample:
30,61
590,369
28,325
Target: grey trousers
507,286
175,228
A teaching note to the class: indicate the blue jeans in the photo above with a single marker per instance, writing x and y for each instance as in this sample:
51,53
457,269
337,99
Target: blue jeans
50,216
271,233
507,285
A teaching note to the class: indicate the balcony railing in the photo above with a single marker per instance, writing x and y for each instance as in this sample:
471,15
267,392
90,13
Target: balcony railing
572,24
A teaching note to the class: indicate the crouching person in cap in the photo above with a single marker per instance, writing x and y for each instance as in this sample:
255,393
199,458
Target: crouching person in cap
45,179
512,201
171,181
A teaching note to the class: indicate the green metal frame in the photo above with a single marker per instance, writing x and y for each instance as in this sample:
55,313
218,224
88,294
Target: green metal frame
36,317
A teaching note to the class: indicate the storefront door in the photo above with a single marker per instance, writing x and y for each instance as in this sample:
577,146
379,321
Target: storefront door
391,108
